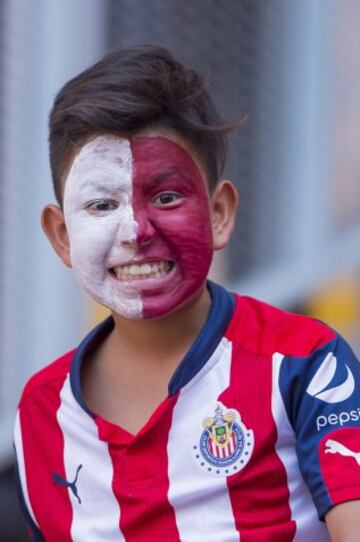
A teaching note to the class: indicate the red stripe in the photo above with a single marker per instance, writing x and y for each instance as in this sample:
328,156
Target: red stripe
265,329
43,445
259,493
57,369
141,481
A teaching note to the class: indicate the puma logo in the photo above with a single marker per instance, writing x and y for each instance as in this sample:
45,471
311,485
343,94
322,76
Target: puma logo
334,447
72,485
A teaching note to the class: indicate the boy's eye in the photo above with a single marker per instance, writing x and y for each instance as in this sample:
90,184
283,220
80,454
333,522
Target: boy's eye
101,206
167,199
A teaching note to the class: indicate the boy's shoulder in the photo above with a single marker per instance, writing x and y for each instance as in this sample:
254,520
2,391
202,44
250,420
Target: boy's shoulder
265,329
55,371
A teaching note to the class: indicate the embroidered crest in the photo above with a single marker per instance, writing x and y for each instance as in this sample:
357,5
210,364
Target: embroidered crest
225,445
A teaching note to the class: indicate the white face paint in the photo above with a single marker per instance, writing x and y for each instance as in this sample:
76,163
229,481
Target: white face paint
101,177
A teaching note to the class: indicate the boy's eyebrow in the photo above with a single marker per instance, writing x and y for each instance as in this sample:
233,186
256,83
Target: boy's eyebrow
101,187
158,178
152,180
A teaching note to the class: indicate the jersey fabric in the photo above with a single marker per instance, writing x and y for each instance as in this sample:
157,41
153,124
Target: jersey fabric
258,438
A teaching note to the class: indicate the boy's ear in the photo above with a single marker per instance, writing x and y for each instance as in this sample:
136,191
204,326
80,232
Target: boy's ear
224,202
53,224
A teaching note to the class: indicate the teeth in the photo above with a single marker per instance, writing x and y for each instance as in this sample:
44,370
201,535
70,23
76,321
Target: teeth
134,269
145,270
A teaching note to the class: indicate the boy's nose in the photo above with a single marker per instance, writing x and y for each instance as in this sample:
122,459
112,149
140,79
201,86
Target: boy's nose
142,234
145,231
129,243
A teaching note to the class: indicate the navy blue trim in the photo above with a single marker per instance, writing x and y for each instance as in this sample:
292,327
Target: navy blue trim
36,535
90,341
220,314
305,410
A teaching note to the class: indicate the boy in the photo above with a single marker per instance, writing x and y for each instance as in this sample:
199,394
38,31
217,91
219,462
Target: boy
190,413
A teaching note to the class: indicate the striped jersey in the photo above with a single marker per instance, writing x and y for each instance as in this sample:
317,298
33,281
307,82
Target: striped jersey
258,438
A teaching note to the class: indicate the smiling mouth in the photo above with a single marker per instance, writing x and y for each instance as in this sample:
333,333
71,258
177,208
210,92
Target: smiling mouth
147,270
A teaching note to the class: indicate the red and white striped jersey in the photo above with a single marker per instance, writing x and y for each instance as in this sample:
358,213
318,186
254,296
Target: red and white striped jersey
258,438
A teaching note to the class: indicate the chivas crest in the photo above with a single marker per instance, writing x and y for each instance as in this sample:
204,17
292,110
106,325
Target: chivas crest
225,445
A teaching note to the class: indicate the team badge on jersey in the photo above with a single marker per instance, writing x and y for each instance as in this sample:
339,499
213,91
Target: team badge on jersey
225,445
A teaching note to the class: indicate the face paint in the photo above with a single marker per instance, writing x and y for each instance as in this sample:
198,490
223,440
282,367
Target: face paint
101,179
139,224
171,209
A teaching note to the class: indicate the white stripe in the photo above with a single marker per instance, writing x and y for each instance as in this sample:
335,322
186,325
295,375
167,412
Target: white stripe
98,515
201,502
303,511
21,466
103,166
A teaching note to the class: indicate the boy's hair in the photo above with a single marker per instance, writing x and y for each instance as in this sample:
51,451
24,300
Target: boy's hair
130,90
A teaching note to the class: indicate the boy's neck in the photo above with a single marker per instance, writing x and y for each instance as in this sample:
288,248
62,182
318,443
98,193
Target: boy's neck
134,365
159,339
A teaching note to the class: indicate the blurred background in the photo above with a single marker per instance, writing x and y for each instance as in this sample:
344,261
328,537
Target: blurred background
293,65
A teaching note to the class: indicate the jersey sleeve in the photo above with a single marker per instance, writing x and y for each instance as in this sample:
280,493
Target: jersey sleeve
321,393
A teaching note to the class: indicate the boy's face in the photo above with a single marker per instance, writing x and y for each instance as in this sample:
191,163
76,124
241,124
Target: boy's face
137,214
139,222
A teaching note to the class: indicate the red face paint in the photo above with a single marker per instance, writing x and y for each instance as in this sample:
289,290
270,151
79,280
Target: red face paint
171,209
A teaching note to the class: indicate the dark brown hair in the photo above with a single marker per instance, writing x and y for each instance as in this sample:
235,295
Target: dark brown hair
127,91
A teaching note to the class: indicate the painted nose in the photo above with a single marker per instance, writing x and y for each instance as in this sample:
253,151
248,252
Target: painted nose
145,231
141,234
129,243
126,229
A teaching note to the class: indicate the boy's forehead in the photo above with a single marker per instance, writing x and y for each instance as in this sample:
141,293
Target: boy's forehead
100,151
150,150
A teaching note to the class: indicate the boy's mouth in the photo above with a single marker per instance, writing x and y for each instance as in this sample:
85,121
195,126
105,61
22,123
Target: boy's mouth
137,271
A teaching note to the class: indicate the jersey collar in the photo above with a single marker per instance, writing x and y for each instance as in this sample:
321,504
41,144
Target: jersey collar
218,320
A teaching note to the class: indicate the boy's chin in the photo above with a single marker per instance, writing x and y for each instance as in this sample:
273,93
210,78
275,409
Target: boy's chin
158,308
152,305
